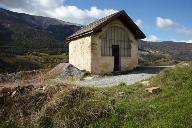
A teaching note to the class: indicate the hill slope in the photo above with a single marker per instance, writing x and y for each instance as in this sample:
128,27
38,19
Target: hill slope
32,42
28,33
120,106
178,50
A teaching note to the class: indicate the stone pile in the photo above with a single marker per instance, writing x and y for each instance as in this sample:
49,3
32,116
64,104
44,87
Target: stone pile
65,71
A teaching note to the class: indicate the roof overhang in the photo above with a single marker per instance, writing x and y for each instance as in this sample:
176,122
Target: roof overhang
125,19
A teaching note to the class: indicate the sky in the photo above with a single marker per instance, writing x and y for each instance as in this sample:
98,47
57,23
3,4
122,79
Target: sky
160,20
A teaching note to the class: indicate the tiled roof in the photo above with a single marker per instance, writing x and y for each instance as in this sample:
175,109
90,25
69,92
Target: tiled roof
97,25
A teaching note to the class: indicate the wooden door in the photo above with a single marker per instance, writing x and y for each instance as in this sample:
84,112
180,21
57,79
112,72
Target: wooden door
115,53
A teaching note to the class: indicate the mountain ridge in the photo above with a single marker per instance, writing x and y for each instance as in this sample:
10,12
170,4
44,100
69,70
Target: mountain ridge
179,50
54,20
54,27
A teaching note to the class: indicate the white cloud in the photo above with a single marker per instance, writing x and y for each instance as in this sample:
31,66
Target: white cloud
97,13
152,38
187,41
139,22
184,30
56,9
164,22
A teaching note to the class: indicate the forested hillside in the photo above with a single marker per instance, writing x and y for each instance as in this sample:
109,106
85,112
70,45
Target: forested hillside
178,50
32,42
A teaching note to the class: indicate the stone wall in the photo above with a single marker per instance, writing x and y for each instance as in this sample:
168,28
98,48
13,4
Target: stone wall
80,53
105,64
85,53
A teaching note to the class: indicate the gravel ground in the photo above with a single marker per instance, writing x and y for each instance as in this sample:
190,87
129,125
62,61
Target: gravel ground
129,78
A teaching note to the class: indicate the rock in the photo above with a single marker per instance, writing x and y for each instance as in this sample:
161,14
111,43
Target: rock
13,94
91,77
64,71
154,90
44,88
88,78
121,93
145,83
186,64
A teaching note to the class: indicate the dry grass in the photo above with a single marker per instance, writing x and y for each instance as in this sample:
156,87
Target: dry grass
58,105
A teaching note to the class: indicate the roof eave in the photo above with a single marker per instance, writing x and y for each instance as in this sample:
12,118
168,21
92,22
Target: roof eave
80,35
134,28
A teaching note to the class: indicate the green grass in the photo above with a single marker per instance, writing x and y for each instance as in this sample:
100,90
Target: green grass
32,61
137,108
156,59
120,106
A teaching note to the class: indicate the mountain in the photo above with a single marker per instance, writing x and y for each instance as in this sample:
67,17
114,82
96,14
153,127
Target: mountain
178,50
25,33
57,28
32,42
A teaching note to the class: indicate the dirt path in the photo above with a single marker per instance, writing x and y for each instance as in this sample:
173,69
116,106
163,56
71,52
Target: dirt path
129,78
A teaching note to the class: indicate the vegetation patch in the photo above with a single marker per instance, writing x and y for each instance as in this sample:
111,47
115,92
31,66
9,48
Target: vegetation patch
155,58
139,108
31,61
121,106
54,106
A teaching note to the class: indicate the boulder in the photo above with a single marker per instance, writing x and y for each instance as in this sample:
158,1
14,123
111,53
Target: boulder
153,90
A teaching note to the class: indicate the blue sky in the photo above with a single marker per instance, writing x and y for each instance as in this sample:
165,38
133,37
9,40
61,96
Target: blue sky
158,19
178,11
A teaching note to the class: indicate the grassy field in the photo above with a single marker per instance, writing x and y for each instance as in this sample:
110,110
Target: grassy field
137,108
151,58
32,61
120,106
